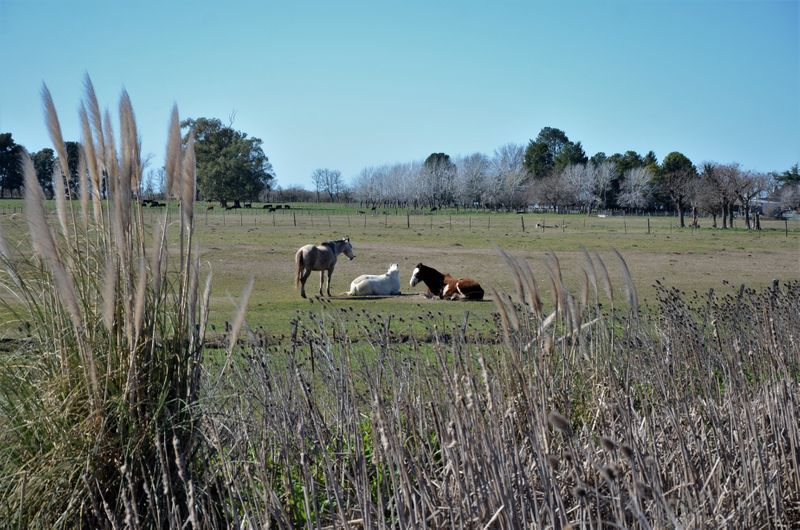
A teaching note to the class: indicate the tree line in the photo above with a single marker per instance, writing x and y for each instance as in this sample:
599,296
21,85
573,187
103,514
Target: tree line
551,172
554,173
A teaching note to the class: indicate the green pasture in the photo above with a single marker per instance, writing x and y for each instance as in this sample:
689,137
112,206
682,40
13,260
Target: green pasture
239,244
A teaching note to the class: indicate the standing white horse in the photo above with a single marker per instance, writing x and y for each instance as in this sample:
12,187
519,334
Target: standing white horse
377,284
319,258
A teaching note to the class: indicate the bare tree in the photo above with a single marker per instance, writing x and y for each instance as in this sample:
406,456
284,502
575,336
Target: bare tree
473,179
328,181
603,175
636,190
578,182
507,176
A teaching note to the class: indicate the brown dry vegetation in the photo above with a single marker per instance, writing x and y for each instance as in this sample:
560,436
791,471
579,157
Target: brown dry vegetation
584,409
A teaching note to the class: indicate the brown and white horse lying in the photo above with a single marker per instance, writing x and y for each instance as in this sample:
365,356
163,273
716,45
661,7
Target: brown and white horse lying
445,286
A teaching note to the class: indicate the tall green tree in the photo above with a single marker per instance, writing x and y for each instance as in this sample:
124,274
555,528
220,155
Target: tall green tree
231,166
10,164
790,177
438,178
675,180
552,150
44,162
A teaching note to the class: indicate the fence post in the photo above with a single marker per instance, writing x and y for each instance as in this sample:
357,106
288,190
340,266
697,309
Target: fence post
648,224
294,218
489,224
451,221
348,219
365,220
522,220
408,220
329,221
470,222
786,227
241,218
273,218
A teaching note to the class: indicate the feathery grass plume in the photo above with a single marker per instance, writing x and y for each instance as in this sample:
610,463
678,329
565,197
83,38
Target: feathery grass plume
54,128
505,319
174,156
239,320
97,124
42,238
83,187
127,147
585,290
204,305
630,288
110,156
515,273
534,298
91,165
188,181
605,279
130,145
61,200
591,272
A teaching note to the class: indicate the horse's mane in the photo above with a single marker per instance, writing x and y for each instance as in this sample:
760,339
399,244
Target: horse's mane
331,243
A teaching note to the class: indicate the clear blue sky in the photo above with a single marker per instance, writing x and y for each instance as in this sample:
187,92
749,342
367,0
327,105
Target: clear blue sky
346,85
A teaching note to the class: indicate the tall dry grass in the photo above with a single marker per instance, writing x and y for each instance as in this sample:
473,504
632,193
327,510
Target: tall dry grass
587,412
579,415
98,398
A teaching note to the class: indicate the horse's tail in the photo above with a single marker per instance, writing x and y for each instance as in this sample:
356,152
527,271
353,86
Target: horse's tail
298,262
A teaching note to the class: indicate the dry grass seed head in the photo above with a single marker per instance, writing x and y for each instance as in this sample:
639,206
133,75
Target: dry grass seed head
174,156
558,421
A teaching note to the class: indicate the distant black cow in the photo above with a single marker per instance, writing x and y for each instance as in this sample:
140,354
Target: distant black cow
267,207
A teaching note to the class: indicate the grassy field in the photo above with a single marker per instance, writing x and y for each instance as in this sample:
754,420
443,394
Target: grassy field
239,244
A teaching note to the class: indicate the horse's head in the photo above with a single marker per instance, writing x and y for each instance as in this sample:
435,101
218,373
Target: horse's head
348,248
393,269
415,279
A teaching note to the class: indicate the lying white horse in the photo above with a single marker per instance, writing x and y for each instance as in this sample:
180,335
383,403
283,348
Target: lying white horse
377,284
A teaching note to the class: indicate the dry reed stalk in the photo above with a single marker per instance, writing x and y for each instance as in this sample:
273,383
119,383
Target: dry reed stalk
139,305
109,293
83,189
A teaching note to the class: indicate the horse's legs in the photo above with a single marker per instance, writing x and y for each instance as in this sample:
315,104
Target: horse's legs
303,278
330,273
322,281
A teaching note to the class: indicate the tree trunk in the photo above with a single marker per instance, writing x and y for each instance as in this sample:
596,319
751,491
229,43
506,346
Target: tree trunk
681,217
714,220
